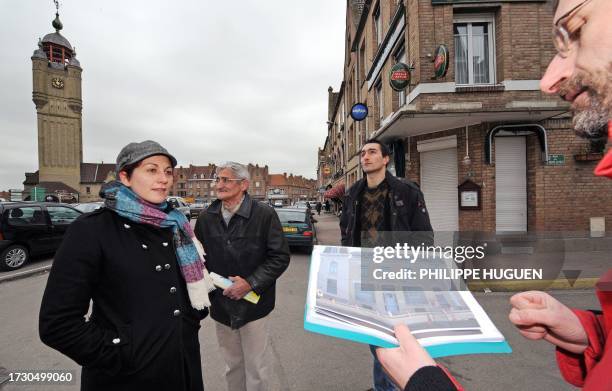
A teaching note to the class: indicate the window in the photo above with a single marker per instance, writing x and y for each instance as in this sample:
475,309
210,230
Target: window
380,99
400,56
332,286
88,190
474,50
26,216
256,184
377,26
62,214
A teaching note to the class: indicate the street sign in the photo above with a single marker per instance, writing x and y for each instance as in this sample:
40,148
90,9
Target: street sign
556,160
440,60
359,112
399,76
16,195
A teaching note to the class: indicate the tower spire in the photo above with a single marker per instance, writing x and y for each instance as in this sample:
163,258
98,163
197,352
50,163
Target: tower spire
57,24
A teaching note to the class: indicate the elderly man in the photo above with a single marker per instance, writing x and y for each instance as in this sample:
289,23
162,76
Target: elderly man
581,73
244,242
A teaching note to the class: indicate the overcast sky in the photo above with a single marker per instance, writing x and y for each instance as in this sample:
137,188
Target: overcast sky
241,80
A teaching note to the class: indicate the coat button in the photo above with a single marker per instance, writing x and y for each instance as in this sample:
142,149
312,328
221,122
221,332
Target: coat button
176,313
167,266
116,340
165,244
158,268
127,226
228,241
173,290
144,246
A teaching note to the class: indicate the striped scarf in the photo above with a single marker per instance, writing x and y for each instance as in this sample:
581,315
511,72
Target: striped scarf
189,251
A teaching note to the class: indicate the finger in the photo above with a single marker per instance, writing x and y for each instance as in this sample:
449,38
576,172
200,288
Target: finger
409,344
532,335
529,299
528,317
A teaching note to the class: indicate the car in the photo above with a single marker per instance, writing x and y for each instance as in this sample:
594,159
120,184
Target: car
301,205
180,204
87,207
298,227
196,208
31,228
278,204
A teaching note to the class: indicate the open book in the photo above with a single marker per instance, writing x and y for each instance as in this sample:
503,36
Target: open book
338,304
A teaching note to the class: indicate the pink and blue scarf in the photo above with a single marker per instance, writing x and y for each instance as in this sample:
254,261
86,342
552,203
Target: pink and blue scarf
189,252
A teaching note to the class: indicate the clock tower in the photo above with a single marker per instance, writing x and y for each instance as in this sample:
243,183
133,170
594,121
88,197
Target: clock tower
56,92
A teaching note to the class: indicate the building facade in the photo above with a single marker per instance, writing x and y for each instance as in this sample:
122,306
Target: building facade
471,127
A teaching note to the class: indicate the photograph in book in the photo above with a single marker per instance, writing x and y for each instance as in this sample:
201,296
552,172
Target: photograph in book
341,304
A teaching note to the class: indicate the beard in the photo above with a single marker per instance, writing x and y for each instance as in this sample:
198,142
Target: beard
591,121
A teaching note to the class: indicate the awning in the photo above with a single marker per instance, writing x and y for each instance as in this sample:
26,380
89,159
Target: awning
335,192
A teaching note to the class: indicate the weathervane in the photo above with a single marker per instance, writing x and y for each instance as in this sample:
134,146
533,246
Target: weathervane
56,6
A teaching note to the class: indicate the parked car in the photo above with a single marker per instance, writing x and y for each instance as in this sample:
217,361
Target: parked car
31,228
298,227
196,208
278,204
180,204
87,207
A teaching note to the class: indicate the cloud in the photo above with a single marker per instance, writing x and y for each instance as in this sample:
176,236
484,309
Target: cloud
211,81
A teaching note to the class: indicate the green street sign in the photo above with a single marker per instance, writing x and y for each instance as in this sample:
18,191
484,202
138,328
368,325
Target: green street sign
556,160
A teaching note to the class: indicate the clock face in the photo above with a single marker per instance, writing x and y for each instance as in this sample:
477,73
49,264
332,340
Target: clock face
57,82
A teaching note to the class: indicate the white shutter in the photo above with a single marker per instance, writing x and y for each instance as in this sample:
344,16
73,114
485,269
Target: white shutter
439,186
510,184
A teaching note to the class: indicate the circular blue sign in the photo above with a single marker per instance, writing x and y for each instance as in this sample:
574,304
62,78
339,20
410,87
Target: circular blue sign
359,112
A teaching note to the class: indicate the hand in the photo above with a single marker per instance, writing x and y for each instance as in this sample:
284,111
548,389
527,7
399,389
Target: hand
238,289
401,363
538,315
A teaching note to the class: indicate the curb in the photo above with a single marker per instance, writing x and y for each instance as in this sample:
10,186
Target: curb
515,286
25,273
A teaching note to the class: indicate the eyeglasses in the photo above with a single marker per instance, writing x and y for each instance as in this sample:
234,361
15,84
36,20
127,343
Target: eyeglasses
222,179
565,32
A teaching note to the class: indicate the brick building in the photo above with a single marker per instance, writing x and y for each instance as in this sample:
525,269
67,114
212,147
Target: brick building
197,183
289,189
483,126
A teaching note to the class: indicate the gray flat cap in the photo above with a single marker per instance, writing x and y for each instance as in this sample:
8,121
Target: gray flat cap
135,152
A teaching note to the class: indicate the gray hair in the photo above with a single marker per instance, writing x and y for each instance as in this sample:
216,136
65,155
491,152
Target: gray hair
239,170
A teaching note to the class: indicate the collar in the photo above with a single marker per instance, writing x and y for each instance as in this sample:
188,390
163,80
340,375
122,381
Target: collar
244,210
604,168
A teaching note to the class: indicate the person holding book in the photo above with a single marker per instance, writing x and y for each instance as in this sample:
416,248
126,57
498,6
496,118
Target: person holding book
244,241
137,260
376,204
581,73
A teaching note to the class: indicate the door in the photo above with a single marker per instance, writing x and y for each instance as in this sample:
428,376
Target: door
61,217
510,184
29,225
439,186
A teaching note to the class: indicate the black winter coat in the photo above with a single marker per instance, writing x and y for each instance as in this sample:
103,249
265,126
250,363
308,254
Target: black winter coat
407,211
253,247
142,332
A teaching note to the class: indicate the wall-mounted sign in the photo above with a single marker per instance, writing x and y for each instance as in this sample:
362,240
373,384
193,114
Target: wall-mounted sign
556,160
399,76
326,170
440,61
469,196
359,112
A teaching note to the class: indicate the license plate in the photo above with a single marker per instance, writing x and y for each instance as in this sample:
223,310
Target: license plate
289,229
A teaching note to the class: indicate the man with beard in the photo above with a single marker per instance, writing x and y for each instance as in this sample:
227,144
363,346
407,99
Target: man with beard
581,73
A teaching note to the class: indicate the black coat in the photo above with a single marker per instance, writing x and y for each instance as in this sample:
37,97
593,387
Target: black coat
253,247
143,332
407,211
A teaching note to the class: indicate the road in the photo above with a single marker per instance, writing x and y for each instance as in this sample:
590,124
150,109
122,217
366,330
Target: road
302,360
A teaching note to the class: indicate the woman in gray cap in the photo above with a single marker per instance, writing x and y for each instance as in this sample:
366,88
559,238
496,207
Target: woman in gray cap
138,261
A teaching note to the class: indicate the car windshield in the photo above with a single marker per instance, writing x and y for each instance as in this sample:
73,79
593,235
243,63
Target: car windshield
286,216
